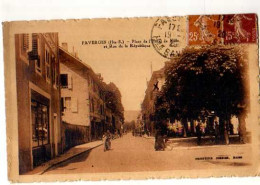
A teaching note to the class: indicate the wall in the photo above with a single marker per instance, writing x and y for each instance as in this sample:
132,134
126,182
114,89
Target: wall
75,135
80,92
28,79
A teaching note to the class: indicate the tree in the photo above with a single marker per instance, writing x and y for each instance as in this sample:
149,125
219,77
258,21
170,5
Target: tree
113,100
204,80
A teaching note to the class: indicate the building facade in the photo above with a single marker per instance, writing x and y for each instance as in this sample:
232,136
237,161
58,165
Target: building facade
38,99
74,99
96,104
147,108
82,100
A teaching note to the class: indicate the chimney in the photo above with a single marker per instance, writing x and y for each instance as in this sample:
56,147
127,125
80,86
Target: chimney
64,45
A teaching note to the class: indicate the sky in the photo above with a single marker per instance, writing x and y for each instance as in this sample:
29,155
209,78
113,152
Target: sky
128,68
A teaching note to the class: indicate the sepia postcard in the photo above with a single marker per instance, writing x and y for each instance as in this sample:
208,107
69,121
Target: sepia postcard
132,98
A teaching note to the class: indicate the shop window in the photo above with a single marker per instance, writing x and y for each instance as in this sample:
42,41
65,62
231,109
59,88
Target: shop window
40,124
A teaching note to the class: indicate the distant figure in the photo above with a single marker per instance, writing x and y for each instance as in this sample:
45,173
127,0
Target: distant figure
231,129
159,141
107,140
198,133
216,131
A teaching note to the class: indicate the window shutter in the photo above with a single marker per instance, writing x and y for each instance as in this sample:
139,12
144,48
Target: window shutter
29,42
62,104
69,81
26,41
38,47
74,104
34,44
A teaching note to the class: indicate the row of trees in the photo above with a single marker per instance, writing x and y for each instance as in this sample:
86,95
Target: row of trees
113,100
208,79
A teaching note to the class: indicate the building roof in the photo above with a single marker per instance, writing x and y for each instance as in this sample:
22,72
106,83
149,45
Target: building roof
78,65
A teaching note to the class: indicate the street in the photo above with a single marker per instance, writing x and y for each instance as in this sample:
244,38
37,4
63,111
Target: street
132,154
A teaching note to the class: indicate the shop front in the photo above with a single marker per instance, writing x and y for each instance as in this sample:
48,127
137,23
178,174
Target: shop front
40,120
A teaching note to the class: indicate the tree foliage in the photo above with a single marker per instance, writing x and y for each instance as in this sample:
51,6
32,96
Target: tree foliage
204,80
113,100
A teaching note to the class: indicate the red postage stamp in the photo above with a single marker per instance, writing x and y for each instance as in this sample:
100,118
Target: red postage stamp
239,28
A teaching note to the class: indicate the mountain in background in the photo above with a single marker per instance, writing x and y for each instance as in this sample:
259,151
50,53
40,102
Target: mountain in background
131,115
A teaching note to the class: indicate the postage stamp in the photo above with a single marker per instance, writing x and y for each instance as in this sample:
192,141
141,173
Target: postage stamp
204,29
222,29
240,28
136,98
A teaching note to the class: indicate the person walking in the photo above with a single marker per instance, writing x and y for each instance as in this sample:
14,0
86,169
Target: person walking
198,133
216,132
159,141
107,140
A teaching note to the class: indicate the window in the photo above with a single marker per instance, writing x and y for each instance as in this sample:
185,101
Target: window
40,123
62,104
67,104
54,71
35,54
74,104
91,105
25,44
47,65
66,81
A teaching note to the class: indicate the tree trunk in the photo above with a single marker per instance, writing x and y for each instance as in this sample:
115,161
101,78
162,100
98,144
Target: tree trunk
192,127
185,127
226,135
223,130
242,127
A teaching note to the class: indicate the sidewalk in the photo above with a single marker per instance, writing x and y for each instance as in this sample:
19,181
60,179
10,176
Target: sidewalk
191,142
72,152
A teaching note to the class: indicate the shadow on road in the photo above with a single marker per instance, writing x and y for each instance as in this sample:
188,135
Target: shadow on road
205,141
80,158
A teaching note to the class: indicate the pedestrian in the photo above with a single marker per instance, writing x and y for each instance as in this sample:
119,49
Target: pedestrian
198,133
159,141
107,140
231,129
216,132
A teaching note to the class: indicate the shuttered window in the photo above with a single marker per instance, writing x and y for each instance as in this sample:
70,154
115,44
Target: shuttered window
74,104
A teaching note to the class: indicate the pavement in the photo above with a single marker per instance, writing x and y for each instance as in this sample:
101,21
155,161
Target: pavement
191,142
137,154
71,153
